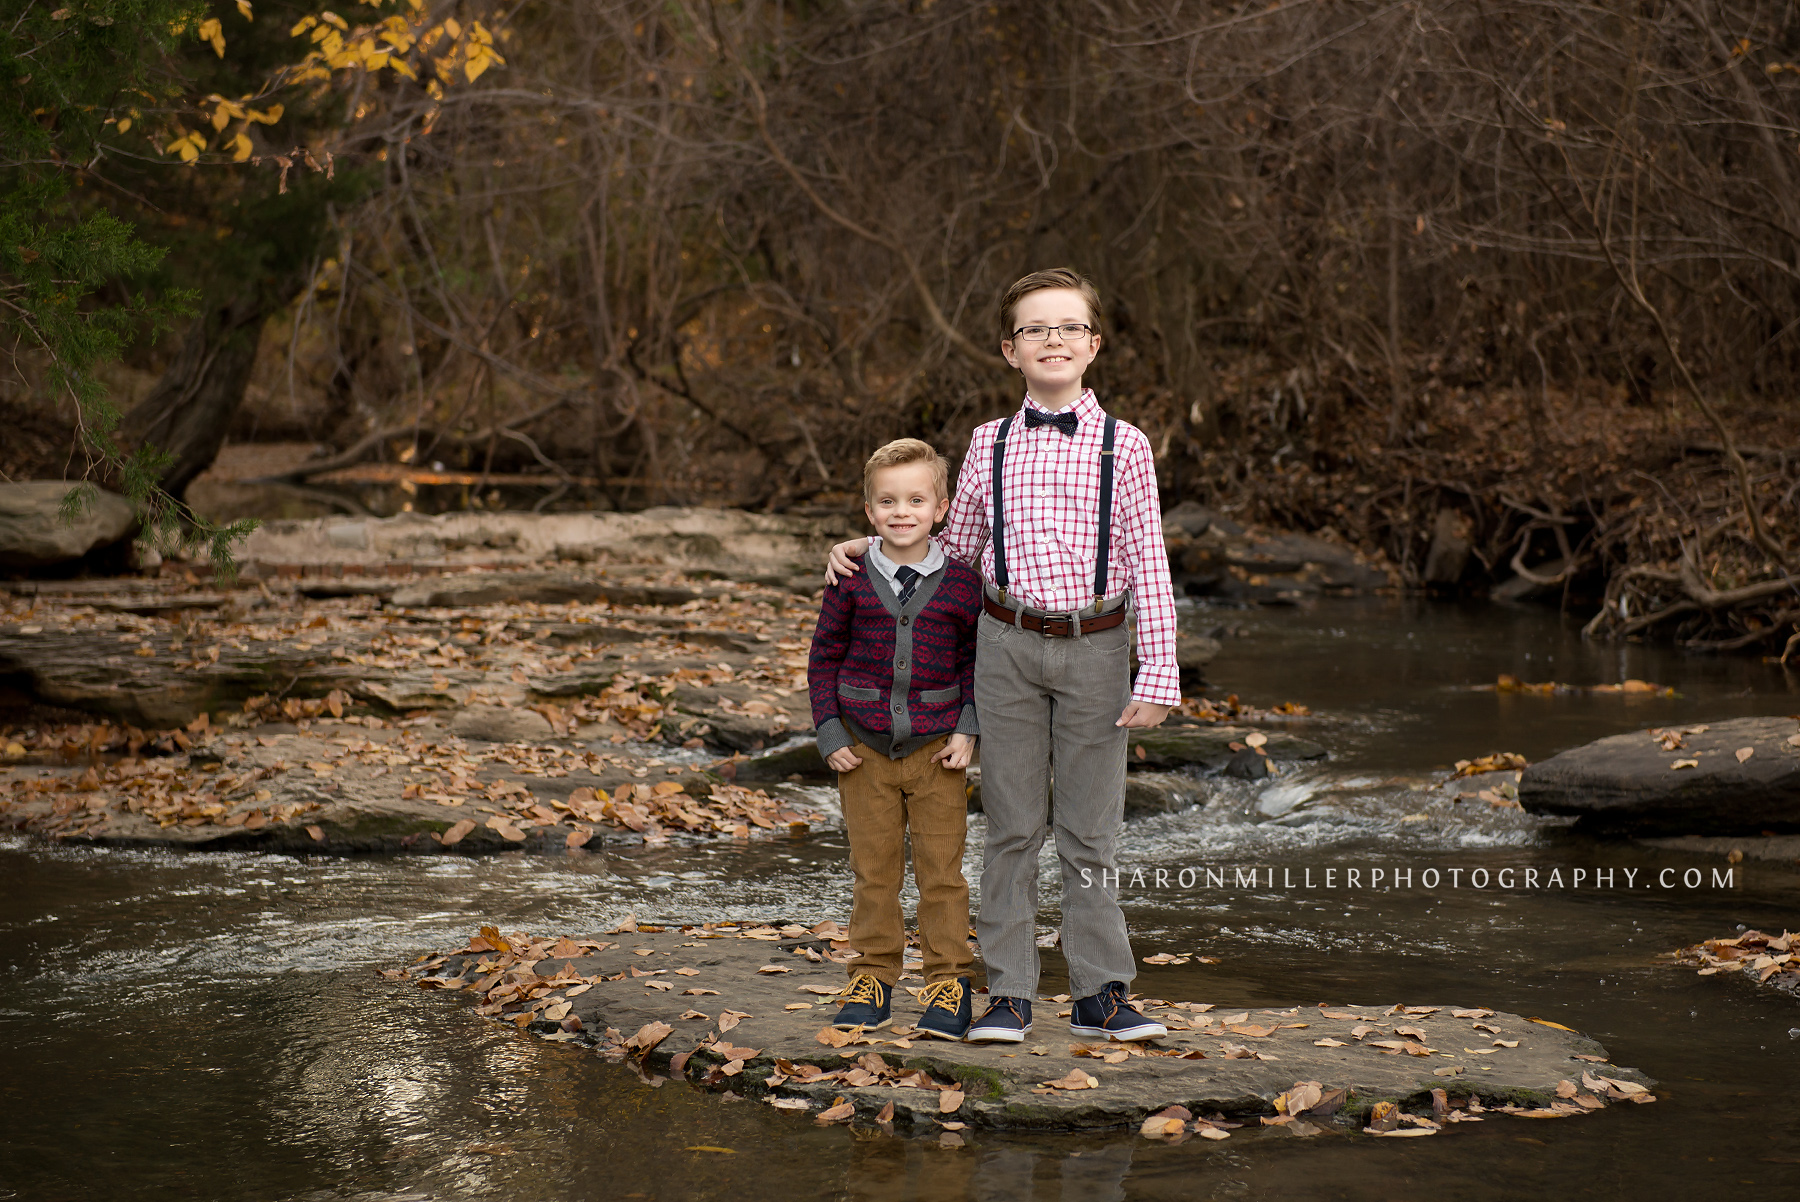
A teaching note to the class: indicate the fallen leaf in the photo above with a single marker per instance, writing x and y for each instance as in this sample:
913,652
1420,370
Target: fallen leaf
1544,1022
711,1148
1329,1043
648,1036
1159,1126
792,1103
695,1015
774,968
457,833
1506,1043
1075,1080
729,1019
700,993
950,1101
1685,764
558,1012
317,833
841,1113
1214,1133
831,1037
1744,753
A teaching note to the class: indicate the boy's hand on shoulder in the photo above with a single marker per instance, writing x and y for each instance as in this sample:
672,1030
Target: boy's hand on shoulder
956,753
1140,714
843,760
842,561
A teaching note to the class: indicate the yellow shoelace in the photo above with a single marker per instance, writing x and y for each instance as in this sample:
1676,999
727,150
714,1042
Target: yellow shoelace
862,988
946,995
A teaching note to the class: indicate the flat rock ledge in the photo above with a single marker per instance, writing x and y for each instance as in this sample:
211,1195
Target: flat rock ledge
1738,777
746,1008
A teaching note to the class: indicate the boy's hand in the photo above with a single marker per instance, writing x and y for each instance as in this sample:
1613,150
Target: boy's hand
956,752
1140,714
842,562
843,760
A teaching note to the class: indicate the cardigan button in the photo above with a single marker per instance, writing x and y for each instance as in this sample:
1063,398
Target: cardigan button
905,620
900,663
898,706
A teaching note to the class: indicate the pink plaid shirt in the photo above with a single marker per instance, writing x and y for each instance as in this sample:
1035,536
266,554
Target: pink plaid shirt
1052,528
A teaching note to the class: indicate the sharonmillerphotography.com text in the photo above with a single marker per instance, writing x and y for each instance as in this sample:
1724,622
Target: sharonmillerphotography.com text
1263,878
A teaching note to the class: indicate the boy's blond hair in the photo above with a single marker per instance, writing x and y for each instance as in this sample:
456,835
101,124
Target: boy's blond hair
1038,281
902,451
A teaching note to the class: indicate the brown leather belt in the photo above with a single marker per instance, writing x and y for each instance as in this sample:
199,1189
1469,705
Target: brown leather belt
1059,626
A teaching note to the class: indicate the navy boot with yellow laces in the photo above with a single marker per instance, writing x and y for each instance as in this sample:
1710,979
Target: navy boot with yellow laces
868,1004
947,1009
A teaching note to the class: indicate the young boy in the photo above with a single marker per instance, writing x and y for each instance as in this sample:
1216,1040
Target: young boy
892,682
1058,505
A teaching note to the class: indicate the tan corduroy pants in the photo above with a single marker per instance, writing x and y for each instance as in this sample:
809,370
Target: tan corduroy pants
884,801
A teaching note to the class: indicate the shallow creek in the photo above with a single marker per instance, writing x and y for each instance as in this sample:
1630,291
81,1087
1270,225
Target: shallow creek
210,1027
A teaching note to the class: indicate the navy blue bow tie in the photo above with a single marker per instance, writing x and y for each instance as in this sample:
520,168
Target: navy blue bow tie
1066,421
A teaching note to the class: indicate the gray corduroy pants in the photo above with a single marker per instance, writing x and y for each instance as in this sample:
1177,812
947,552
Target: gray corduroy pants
1048,708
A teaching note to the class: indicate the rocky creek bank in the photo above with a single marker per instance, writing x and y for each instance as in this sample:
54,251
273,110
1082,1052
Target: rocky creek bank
466,709
746,1007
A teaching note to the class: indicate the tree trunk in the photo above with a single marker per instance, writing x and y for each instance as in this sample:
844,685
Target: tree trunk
187,413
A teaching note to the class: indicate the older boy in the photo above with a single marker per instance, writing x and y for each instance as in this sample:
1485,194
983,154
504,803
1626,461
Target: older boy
892,682
1058,505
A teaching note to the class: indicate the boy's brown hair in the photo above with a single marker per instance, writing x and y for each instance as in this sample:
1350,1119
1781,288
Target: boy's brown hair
1038,281
907,450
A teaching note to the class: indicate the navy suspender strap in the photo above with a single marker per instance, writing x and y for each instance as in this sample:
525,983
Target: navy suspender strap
1106,506
999,516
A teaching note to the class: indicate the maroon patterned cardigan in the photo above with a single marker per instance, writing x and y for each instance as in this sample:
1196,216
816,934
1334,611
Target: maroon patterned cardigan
895,679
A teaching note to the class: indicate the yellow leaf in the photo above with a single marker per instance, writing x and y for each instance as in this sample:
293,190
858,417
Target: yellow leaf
302,25
212,31
400,68
268,116
244,8
124,124
331,18
240,148
220,118
452,28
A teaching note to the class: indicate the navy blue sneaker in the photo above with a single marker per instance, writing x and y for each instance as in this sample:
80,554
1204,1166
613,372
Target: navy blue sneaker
1008,1020
868,1004
1109,1015
947,1009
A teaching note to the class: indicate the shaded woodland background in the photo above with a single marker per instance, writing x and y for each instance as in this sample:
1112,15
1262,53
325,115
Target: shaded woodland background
1520,274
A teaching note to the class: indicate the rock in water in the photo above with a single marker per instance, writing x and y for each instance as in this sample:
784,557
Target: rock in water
34,535
1679,780
498,724
1172,746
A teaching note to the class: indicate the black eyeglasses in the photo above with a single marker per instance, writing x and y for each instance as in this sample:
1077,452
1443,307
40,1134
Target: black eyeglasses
1039,333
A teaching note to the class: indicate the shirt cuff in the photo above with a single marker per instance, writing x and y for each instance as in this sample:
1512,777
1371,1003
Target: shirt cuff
966,723
832,737
1157,685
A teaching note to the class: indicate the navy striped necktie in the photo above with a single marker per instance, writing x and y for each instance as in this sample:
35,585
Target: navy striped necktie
908,579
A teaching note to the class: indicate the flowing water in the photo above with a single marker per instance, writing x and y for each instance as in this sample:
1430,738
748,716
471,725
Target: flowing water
211,1027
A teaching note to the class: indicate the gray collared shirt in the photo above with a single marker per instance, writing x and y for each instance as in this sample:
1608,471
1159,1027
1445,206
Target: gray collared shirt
933,561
